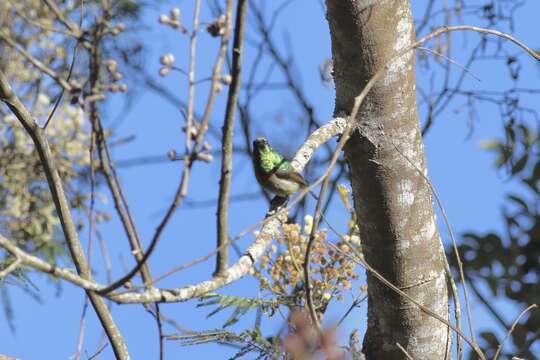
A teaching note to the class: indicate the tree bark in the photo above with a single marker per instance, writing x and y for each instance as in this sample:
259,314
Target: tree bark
392,198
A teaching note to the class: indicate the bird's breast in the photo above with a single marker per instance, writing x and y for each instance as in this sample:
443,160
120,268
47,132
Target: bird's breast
262,177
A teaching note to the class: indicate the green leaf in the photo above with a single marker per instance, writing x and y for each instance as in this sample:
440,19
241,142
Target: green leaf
490,338
519,201
241,304
532,181
526,136
520,164
510,133
490,144
493,284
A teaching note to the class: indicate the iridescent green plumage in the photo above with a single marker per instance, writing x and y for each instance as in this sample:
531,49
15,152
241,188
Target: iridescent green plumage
273,171
270,159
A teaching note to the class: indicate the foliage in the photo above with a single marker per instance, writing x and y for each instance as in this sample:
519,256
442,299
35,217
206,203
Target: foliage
508,263
248,341
242,305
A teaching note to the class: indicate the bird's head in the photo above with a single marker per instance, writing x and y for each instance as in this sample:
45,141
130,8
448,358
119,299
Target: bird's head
261,145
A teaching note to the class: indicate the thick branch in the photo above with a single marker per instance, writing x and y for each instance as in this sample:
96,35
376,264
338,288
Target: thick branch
227,139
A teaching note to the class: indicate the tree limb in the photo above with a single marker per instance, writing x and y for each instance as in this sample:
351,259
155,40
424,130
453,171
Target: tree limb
227,138
62,207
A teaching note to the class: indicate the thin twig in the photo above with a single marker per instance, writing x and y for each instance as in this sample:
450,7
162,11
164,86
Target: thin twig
60,16
98,352
37,63
82,327
11,268
191,74
514,324
457,303
160,333
462,67
108,271
445,29
43,266
409,357
354,304
71,67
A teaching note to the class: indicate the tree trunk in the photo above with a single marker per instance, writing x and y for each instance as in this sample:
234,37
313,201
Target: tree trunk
392,199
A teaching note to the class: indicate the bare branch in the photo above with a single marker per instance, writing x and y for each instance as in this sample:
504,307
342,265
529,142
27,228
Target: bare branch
191,75
445,29
227,139
11,268
106,163
38,64
61,17
407,355
514,324
38,264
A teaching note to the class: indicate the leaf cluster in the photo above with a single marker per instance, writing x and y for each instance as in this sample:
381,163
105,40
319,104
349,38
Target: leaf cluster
508,262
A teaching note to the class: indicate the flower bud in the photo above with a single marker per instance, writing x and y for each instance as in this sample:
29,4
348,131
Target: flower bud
164,71
166,59
111,64
175,13
172,155
164,19
117,76
226,79
219,88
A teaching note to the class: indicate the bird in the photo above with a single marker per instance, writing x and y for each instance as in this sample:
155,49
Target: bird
274,172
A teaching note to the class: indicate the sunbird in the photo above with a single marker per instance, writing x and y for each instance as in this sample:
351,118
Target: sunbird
274,172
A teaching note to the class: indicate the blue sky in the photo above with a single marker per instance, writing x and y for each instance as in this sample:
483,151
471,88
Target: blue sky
470,187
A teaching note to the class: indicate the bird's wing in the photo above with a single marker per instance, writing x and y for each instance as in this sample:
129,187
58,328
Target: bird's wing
291,175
